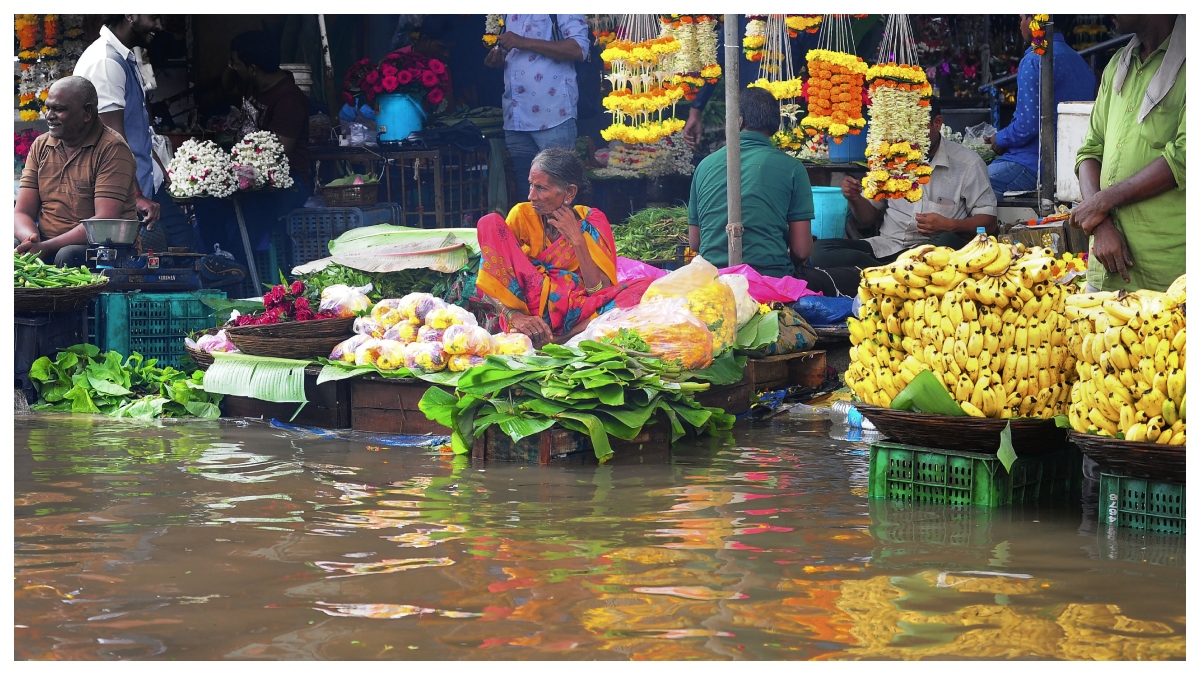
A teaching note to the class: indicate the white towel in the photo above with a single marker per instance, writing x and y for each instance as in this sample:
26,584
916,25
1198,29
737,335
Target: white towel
1164,78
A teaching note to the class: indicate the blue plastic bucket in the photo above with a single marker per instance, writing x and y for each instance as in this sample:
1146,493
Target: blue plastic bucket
399,116
831,207
853,148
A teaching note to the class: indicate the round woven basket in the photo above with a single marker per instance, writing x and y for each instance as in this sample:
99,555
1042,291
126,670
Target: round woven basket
55,299
366,194
292,340
967,434
202,358
1135,458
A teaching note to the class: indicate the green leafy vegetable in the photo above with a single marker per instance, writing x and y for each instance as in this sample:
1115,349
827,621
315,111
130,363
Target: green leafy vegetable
81,380
652,234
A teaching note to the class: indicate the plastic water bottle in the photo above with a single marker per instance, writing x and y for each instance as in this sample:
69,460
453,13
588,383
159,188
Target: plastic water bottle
844,412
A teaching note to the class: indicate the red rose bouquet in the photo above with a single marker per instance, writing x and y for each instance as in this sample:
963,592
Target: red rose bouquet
23,141
402,72
280,304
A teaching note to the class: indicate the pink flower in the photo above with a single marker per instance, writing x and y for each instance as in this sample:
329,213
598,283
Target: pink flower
372,77
435,96
301,303
390,83
429,79
437,66
404,77
388,70
297,289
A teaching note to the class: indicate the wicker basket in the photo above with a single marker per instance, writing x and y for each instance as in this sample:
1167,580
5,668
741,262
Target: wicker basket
1135,458
967,434
366,194
55,299
202,358
292,340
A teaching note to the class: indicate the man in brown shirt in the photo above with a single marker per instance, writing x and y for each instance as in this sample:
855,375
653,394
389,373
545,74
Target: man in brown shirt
81,169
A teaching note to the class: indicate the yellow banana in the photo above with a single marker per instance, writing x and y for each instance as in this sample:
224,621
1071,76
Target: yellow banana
1102,423
1089,299
1170,413
1119,357
1178,438
1000,264
1164,438
1176,382
1154,429
1136,432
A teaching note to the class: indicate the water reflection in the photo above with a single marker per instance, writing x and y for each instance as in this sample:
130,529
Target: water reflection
221,541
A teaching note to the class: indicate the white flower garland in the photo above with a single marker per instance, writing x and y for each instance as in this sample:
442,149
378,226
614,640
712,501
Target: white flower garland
263,152
201,169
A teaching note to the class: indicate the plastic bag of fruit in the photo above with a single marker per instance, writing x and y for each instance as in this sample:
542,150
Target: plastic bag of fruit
425,356
417,306
343,301
708,299
668,327
511,344
463,339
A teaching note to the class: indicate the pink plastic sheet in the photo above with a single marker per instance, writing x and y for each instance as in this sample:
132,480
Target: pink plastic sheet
632,270
770,289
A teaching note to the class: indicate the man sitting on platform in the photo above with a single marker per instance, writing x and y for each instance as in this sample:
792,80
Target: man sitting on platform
957,200
80,169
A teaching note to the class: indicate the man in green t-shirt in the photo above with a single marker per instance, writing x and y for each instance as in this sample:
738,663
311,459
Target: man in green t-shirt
777,205
1132,165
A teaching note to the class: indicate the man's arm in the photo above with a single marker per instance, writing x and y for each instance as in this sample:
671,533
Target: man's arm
566,49
115,120
800,240
26,213
864,212
694,238
1024,126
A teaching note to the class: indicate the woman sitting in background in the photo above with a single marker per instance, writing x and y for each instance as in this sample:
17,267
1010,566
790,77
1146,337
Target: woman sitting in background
551,267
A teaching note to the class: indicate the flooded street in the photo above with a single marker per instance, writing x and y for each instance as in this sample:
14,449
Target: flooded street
233,540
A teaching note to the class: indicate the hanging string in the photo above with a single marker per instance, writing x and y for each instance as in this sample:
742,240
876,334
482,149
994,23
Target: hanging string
836,34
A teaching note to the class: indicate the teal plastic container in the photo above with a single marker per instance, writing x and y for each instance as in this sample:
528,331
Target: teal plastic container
1141,504
152,324
853,148
399,115
830,206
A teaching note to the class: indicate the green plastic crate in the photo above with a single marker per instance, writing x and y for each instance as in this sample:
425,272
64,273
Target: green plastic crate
917,475
152,324
1141,504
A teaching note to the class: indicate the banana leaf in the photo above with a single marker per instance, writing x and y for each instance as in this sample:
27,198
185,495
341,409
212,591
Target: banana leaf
926,394
332,371
266,379
728,368
365,238
396,252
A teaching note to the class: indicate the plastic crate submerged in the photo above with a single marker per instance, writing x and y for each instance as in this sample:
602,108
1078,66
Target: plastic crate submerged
919,475
36,335
152,324
1140,504
1125,544
311,230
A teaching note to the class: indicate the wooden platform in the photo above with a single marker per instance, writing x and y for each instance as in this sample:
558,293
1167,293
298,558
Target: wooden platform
802,369
562,447
390,406
328,405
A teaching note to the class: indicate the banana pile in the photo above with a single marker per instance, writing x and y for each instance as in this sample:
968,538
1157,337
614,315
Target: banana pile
1132,364
986,319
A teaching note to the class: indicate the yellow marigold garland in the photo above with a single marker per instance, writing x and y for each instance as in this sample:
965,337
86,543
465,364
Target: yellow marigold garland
899,133
809,23
756,36
492,28
1039,33
835,88
643,89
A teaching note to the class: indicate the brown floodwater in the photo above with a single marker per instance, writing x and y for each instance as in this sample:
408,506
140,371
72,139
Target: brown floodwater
239,540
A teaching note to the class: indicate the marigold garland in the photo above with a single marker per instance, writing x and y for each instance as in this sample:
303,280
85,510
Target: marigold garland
1039,33
492,27
643,83
48,46
809,23
756,36
899,131
835,88
696,60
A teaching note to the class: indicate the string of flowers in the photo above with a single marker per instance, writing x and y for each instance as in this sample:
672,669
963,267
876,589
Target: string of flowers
602,28
642,86
809,23
1039,33
756,36
896,143
668,156
492,27
696,61
835,88
45,53
260,154
201,169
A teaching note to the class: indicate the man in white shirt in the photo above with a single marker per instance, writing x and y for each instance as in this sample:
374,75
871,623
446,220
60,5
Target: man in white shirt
541,95
111,66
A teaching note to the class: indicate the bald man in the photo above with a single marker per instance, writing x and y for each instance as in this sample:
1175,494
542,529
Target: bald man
81,169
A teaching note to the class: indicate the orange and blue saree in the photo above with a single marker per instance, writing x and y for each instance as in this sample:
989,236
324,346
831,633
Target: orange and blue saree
525,271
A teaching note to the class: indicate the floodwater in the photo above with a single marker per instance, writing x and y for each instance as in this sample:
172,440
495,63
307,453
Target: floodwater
235,540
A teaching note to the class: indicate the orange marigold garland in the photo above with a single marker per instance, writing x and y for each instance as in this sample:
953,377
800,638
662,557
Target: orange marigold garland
1036,26
756,36
835,85
809,23
696,61
642,86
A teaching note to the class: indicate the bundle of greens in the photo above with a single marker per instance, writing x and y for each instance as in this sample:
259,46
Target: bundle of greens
80,380
652,234
598,389
30,272
384,284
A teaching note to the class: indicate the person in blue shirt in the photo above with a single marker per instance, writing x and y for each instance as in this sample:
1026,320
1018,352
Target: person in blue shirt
1016,169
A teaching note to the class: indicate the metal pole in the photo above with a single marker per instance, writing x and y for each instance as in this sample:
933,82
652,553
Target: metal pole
1046,127
331,89
985,52
733,145
237,209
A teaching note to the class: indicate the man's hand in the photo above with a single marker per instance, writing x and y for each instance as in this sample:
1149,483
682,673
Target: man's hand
1110,249
494,58
694,128
566,222
149,210
31,243
990,141
852,188
1090,213
929,224
510,40
533,326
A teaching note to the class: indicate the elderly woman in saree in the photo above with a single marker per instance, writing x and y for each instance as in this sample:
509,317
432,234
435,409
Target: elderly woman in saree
550,267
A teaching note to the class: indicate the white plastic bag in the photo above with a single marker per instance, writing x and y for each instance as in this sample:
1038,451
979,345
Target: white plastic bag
345,301
746,306
667,325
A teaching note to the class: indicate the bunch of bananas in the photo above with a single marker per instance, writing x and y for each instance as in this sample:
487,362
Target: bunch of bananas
1132,364
986,319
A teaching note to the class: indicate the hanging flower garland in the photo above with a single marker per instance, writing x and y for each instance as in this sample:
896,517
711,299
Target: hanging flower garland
201,169
897,163
696,61
1039,33
642,83
492,27
809,23
261,155
835,89
668,156
756,36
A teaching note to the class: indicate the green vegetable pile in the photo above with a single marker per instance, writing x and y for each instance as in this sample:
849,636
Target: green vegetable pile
81,380
652,234
598,389
30,272
384,284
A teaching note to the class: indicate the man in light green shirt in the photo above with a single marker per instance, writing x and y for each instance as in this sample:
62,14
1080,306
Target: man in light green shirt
1132,165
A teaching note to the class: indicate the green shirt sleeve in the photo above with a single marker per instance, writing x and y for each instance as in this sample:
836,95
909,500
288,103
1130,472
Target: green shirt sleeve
1093,142
801,207
1175,151
693,217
